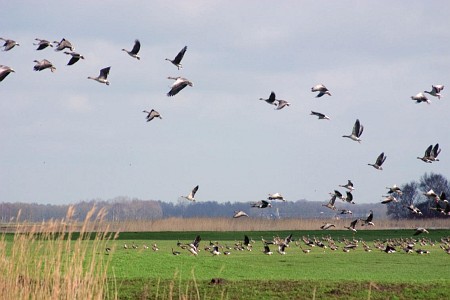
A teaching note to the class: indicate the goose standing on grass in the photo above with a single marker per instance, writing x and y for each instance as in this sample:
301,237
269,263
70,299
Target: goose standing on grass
239,213
151,115
380,160
369,220
63,44
271,100
179,84
319,115
75,57
43,64
321,89
9,44
177,60
352,225
191,196
420,97
356,132
426,156
348,186
436,90
134,52
42,44
4,71
103,76
282,104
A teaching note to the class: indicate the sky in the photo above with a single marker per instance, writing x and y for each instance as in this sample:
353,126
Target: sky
66,139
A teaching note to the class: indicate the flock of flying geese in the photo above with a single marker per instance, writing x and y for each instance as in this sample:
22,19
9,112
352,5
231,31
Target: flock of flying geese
430,155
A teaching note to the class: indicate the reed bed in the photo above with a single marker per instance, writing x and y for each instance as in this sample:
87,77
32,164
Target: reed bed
46,261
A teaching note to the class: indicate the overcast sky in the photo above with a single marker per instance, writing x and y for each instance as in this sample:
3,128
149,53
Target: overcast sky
65,138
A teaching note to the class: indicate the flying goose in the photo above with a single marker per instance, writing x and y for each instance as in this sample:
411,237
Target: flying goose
43,64
413,209
346,212
420,97
267,250
330,203
103,76
319,115
394,189
388,199
282,104
434,153
337,194
4,71
348,197
380,160
239,213
327,226
261,204
356,132
42,44
436,90
271,99
420,230
276,196
281,249
134,52
321,89
75,57
151,115
432,195
63,44
179,84
426,156
348,186
191,196
438,208
9,44
352,225
369,219
443,197
177,60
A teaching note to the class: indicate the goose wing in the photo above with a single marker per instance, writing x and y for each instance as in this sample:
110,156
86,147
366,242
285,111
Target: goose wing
104,72
176,88
435,151
380,159
136,47
192,194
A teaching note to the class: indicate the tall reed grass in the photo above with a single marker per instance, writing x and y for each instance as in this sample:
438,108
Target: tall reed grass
57,260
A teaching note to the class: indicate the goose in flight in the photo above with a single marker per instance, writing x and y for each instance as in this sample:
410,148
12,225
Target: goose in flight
426,156
443,197
151,115
4,71
352,225
103,76
42,44
191,196
177,60
356,132
432,195
75,57
348,186
321,89
368,221
436,90
266,250
348,197
271,99
420,230
420,97
134,52
388,199
276,196
327,226
282,104
434,153
330,203
337,194
179,84
321,116
9,44
346,212
63,44
413,209
239,213
43,64
261,204
394,189
380,160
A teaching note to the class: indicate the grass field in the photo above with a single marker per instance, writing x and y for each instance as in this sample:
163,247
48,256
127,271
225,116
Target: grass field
78,260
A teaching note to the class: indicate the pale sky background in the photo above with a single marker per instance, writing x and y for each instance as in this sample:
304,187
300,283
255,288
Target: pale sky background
65,138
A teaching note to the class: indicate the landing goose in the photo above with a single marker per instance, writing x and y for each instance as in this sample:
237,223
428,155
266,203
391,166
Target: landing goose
271,99
356,132
191,196
9,44
177,60
43,64
134,52
179,84
42,44
4,71
103,76
321,89
152,114
320,116
380,160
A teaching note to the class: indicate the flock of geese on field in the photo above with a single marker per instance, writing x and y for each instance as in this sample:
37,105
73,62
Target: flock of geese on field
430,155
305,244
